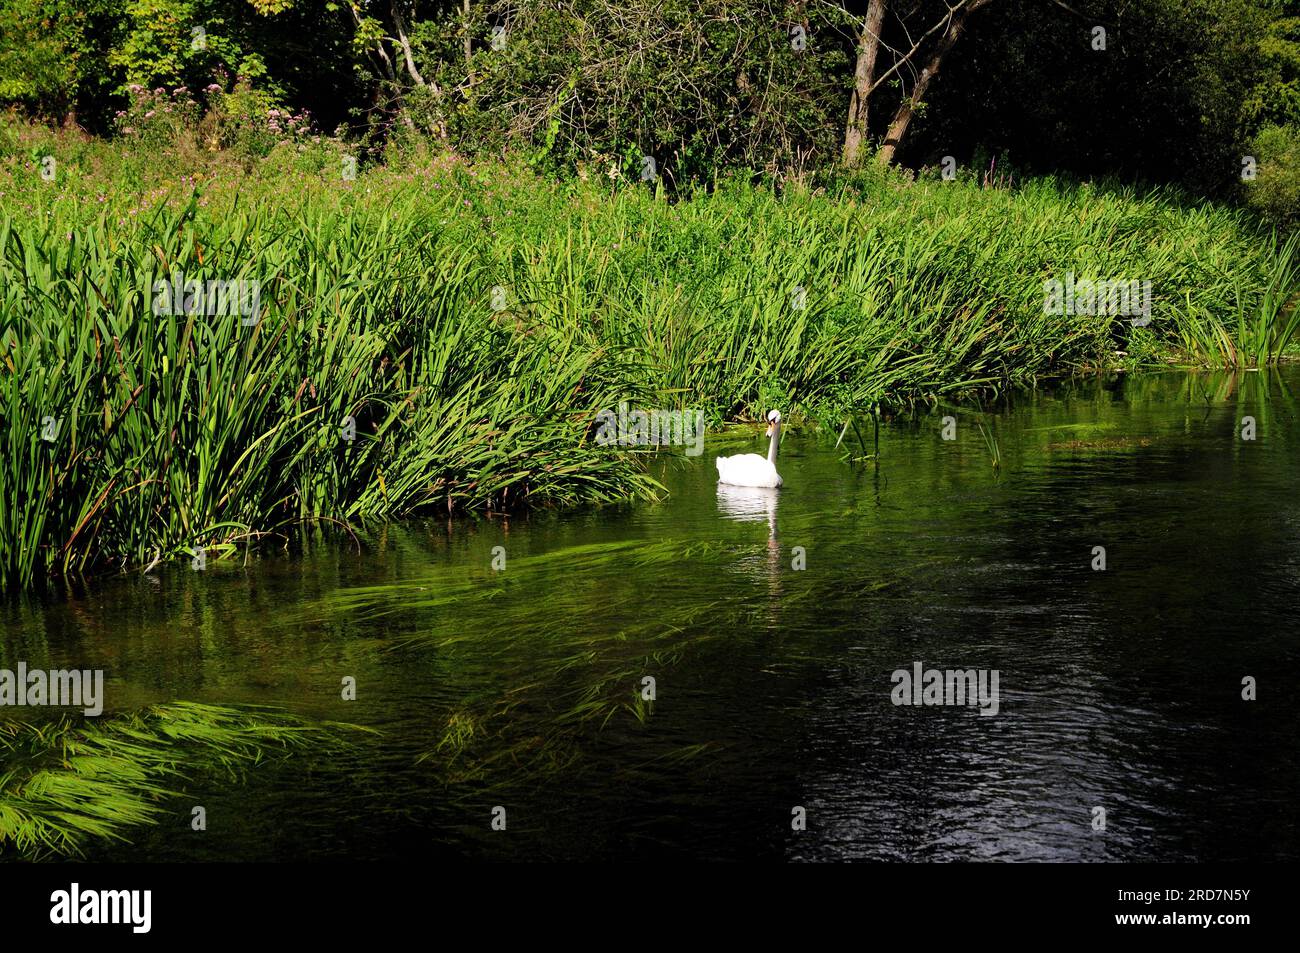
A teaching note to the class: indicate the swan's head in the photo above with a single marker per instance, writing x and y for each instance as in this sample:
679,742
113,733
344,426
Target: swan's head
773,419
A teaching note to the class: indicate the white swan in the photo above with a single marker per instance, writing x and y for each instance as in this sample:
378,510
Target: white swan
749,469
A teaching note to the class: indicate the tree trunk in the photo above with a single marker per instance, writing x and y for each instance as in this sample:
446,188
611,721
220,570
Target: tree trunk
402,41
855,129
469,45
907,109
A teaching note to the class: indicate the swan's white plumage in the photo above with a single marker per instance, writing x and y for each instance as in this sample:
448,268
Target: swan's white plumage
747,469
750,469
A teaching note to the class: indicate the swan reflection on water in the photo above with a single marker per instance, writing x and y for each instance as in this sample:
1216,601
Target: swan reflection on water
749,504
754,504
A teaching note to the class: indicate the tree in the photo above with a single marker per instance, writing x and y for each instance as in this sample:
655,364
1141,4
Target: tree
953,24
52,51
855,129
695,84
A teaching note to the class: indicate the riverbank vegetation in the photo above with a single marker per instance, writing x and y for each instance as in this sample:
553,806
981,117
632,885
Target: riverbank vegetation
437,248
435,335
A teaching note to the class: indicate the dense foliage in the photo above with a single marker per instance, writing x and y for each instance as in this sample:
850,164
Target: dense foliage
435,335
1171,91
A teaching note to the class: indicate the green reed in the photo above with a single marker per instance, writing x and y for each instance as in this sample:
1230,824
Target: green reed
469,324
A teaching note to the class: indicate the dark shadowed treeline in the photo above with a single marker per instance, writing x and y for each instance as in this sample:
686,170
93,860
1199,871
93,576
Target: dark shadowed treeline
1170,91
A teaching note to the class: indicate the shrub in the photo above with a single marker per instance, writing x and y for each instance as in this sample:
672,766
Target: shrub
1275,191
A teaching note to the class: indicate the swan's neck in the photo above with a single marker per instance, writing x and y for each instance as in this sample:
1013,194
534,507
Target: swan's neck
776,439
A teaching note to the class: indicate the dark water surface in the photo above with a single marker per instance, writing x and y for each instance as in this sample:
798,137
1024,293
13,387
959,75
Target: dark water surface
1118,689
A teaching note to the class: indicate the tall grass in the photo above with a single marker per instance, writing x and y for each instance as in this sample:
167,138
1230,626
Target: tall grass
1264,317
173,433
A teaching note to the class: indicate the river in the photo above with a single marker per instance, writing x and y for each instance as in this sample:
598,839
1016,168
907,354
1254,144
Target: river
522,686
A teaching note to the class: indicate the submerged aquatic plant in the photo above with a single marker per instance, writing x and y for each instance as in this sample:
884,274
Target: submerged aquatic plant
64,783
530,694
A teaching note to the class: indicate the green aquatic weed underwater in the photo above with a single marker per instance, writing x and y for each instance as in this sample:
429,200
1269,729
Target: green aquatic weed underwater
65,783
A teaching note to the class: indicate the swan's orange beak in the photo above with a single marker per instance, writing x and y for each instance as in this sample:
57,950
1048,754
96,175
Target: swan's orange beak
769,431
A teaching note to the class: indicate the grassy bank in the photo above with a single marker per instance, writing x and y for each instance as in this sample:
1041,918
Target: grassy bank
468,323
